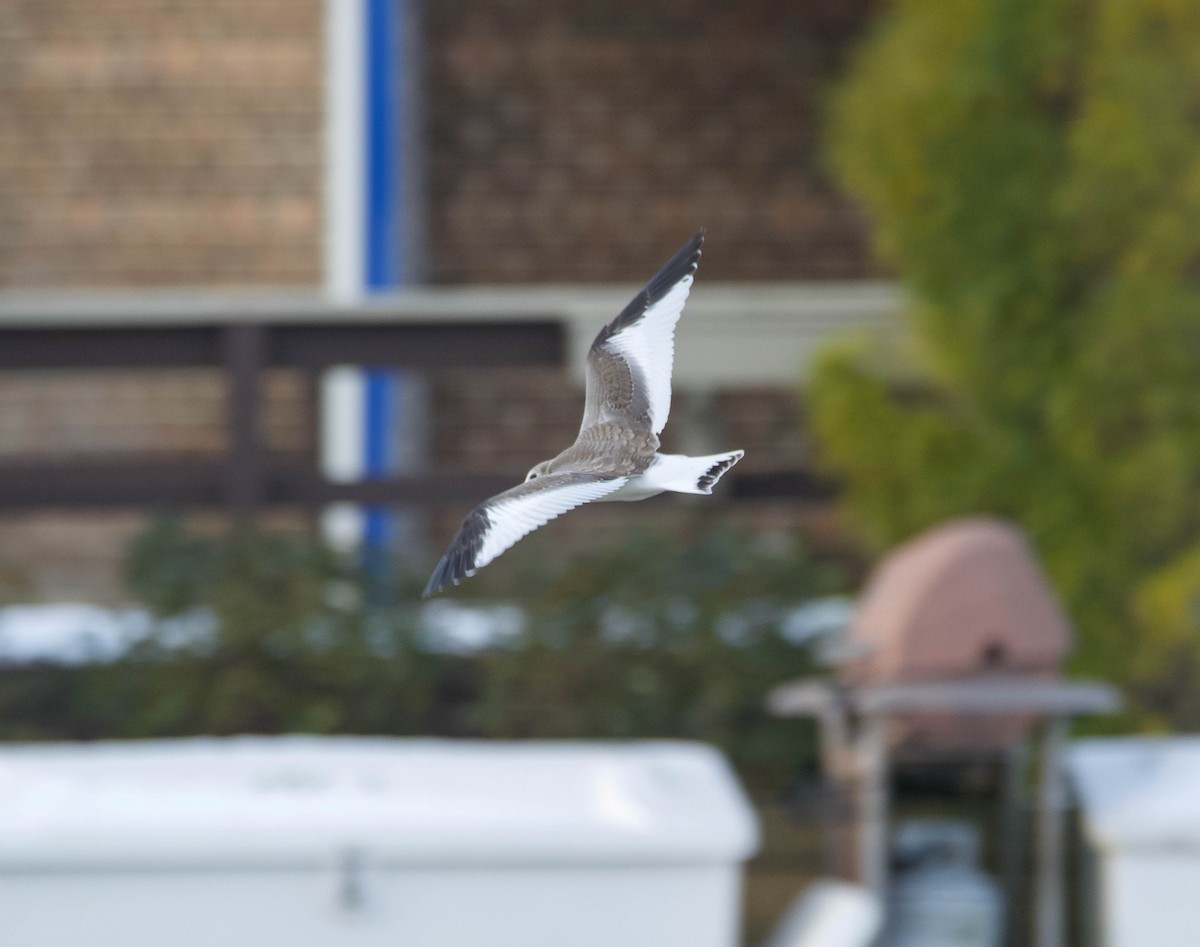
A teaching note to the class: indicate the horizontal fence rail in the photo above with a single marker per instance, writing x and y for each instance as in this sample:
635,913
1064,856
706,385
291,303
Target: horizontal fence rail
304,345
249,476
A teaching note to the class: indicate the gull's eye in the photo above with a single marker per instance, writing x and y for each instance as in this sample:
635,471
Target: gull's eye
532,476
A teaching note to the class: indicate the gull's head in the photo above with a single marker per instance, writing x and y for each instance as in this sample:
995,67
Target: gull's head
538,470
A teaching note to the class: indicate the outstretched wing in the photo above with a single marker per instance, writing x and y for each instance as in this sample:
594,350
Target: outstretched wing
629,364
494,526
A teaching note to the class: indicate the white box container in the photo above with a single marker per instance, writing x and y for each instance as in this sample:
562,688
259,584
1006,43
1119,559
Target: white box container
361,841
1140,802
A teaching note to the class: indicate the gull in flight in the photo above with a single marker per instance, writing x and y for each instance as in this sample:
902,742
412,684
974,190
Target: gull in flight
615,456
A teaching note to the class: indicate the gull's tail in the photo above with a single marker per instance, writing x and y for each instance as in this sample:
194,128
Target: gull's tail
682,474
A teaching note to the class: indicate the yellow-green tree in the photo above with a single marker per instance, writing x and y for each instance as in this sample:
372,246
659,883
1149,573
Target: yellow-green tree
1032,168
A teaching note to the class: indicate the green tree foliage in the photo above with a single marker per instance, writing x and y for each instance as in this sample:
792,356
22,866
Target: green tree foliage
1033,171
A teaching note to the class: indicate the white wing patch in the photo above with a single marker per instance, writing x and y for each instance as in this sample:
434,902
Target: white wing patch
515,515
649,346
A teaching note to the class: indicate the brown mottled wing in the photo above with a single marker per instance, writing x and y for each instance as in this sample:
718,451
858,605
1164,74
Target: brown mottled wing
495,525
629,363
609,449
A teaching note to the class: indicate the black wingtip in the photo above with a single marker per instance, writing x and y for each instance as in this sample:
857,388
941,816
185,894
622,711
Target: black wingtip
459,562
437,581
451,569
449,573
686,260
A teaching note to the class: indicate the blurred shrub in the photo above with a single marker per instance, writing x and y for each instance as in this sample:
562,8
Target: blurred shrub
675,636
1033,168
666,635
269,634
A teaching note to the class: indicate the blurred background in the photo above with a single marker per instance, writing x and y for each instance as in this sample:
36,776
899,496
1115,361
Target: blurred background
287,287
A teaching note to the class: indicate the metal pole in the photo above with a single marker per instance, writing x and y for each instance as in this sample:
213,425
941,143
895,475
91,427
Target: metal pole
245,352
1012,836
837,764
1050,916
873,805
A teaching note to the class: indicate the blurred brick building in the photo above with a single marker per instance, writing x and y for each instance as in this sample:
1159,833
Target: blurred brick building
166,145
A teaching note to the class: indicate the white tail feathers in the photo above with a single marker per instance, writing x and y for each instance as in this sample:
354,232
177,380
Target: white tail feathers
681,474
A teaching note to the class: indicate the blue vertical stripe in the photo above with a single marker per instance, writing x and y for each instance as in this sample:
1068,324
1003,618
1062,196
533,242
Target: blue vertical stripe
384,245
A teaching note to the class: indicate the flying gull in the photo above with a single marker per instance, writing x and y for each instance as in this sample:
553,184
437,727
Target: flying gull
615,456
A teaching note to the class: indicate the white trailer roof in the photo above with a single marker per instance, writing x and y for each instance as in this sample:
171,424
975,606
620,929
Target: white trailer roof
310,800
1139,792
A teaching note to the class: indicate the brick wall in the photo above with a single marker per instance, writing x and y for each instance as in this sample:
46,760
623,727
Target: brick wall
508,419
502,419
147,143
157,142
144,413
770,426
577,140
79,416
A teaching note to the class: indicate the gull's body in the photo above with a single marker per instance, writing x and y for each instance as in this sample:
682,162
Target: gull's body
615,456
